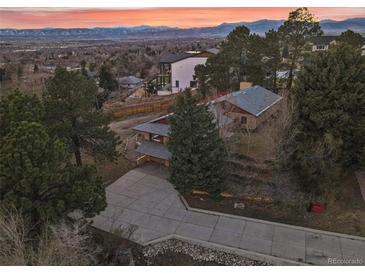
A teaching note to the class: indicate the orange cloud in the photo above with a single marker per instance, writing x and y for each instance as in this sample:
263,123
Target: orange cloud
178,17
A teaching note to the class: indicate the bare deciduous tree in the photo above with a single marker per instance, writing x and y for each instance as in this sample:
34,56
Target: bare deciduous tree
61,244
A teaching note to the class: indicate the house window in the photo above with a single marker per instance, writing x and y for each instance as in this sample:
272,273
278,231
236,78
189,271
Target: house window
243,120
177,83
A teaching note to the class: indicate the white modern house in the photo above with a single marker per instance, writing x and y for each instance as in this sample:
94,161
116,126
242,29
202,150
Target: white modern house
177,70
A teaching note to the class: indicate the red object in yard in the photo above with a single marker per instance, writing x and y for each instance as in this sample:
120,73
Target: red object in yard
317,207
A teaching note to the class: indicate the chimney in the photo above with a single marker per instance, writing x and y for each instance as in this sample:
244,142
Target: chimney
244,85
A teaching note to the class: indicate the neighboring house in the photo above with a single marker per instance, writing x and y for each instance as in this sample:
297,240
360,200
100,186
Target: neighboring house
322,43
249,107
177,70
129,82
282,77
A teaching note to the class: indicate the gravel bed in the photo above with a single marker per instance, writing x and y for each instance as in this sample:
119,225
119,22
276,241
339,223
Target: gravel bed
199,253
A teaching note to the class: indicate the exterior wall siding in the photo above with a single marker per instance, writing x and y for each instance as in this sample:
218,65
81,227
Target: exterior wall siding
252,122
183,72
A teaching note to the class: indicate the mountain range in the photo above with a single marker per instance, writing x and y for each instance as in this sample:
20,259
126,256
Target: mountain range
330,27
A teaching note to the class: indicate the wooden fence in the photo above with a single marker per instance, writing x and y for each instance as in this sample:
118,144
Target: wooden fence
127,109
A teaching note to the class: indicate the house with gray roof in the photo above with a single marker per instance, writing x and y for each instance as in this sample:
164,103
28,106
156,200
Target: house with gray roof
322,43
155,134
129,82
246,108
249,107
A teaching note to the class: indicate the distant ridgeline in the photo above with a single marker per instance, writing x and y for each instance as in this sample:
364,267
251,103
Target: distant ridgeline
330,27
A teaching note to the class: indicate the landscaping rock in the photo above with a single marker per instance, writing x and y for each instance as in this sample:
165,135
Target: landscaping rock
199,253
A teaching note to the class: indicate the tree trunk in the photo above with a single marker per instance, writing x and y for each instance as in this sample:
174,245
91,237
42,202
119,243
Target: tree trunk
78,156
77,151
290,78
275,81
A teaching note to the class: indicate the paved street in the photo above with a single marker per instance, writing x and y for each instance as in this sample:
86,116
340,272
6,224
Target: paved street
144,206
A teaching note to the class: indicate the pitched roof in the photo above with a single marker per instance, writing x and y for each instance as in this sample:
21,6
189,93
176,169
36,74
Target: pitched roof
323,40
154,149
129,80
212,50
170,58
254,100
154,128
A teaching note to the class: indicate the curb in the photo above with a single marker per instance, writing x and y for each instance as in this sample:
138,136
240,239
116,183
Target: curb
193,209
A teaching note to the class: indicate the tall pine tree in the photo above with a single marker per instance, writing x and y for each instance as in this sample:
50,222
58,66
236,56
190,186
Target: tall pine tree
328,123
37,179
71,115
300,27
198,153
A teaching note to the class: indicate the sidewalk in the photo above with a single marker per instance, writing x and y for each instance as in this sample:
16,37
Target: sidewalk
145,207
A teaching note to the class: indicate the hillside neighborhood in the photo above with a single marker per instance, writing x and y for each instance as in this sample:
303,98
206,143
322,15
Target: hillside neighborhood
242,150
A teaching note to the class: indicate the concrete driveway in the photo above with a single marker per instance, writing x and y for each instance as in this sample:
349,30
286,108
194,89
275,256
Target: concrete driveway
144,207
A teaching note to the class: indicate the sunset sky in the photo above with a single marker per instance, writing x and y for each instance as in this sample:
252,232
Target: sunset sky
25,18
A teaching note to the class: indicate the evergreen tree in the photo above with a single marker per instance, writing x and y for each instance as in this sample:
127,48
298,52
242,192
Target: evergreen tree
241,58
83,68
35,68
351,38
2,74
17,107
235,52
36,178
198,153
201,75
254,69
106,79
272,62
300,27
71,115
219,72
328,123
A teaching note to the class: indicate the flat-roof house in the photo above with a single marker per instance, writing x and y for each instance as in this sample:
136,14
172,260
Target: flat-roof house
249,107
177,70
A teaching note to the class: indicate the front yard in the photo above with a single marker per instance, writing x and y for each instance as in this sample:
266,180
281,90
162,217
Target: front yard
345,211
261,191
